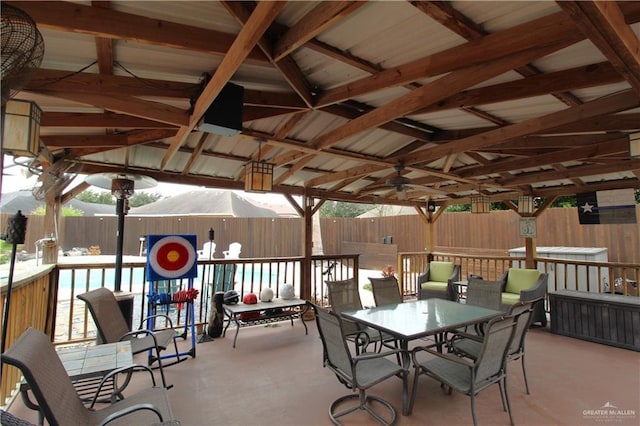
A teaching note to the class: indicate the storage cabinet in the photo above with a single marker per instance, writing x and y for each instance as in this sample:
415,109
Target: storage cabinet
611,319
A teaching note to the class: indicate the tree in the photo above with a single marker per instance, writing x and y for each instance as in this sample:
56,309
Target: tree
141,198
101,197
342,209
66,211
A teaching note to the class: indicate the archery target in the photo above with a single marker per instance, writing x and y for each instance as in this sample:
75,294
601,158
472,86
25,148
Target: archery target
171,257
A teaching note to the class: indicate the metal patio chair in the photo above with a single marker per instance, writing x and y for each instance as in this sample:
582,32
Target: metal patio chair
386,290
467,376
470,345
344,295
359,372
112,327
34,354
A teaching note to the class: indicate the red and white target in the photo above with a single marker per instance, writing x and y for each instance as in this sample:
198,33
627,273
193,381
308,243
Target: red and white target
171,257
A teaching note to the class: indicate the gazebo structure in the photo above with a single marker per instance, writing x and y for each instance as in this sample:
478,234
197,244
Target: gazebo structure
423,104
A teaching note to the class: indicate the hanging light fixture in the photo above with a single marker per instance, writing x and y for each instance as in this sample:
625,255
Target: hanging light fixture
634,145
21,133
431,206
480,204
258,175
525,204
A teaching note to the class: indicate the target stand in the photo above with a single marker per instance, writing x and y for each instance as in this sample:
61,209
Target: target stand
172,258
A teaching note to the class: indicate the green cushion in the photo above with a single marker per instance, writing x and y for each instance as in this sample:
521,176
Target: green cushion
521,279
510,298
440,271
434,285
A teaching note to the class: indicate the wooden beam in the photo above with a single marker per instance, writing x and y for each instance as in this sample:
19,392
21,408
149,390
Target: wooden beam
323,16
131,106
608,105
556,28
604,24
106,119
431,93
264,13
111,24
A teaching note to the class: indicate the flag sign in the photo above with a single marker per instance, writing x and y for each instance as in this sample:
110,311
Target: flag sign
606,207
171,257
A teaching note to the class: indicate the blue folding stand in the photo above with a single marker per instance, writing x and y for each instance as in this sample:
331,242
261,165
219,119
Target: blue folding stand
155,300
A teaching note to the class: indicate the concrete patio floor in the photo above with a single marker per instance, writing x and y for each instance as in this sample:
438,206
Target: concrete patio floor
275,377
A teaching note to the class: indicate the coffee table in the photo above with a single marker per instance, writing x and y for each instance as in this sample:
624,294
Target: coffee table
263,313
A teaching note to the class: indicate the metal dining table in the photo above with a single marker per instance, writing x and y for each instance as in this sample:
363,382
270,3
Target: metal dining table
417,319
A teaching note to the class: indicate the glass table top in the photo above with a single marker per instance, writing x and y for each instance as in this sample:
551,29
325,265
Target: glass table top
419,318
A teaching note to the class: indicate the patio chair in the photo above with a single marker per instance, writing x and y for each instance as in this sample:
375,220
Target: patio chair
344,295
356,372
233,252
467,376
524,285
470,345
112,327
437,281
34,354
483,293
385,290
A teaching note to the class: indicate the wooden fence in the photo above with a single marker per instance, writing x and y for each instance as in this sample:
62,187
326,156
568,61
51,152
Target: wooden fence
468,233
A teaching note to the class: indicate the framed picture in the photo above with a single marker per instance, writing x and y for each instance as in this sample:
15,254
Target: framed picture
528,227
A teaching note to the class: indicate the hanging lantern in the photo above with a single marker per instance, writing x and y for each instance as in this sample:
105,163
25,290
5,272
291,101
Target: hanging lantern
525,204
21,133
480,204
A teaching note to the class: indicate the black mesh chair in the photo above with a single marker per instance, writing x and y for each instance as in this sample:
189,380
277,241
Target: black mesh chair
466,376
385,290
359,372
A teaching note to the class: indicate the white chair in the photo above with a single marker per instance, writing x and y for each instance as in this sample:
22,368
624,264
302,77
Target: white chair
208,250
233,252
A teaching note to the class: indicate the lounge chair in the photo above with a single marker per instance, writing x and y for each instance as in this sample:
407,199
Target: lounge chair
525,285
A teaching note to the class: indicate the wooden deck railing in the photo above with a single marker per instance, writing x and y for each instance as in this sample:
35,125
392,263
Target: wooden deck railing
563,273
47,299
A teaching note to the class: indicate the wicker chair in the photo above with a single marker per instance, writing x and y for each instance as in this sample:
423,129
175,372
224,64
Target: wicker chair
344,295
386,291
466,376
34,355
356,372
470,345
437,281
525,285
112,327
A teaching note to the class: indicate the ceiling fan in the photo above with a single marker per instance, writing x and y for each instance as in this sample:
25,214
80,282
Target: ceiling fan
402,183
399,182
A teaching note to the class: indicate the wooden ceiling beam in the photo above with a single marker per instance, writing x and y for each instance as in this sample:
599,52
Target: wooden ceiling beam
604,24
608,105
252,31
615,145
241,11
322,17
431,93
570,173
105,119
556,28
108,23
127,105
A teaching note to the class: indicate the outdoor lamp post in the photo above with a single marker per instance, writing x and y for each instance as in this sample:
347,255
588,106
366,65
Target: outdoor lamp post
122,186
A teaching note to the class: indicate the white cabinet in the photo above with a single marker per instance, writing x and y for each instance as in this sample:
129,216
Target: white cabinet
573,274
